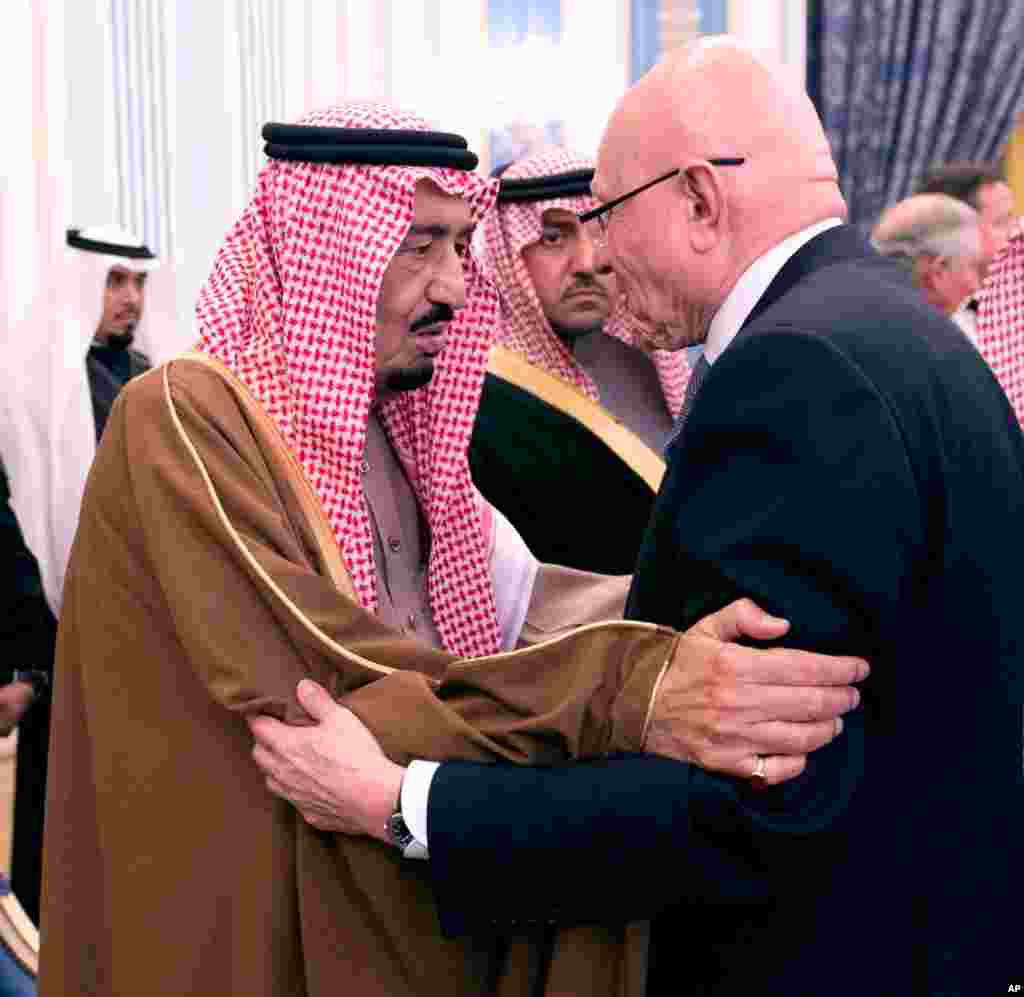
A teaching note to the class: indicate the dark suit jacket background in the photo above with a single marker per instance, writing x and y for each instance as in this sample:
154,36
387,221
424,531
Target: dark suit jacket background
556,482
28,636
852,465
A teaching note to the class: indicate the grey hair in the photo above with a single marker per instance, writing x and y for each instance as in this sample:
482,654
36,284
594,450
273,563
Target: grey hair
927,225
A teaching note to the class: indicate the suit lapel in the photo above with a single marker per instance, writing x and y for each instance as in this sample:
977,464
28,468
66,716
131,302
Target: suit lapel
662,570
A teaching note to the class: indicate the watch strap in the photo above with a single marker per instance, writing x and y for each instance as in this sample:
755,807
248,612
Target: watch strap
401,837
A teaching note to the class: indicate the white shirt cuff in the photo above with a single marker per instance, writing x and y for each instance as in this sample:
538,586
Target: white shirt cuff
415,796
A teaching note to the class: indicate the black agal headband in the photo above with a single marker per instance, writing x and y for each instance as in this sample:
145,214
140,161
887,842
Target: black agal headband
370,146
575,183
76,240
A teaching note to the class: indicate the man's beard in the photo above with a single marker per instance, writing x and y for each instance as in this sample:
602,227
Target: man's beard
410,378
570,336
121,340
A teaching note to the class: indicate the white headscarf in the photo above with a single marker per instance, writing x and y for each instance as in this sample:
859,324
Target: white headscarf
47,429
156,333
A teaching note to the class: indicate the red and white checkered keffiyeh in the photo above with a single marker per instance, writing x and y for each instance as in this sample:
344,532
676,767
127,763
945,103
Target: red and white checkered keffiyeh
290,308
525,328
1001,321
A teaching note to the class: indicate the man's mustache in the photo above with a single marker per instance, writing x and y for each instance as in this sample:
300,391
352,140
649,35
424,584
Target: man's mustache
591,286
438,313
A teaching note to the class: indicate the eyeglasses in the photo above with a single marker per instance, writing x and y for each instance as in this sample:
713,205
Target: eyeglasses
603,213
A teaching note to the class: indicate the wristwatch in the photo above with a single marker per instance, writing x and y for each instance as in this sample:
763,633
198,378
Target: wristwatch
398,831
35,677
401,837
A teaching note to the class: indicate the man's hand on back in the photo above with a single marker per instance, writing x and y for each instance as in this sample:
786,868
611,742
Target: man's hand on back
721,705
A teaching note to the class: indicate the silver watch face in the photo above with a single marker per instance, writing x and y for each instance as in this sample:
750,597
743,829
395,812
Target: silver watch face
398,831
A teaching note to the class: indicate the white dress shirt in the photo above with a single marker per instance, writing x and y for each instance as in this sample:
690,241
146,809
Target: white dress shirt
754,281
966,317
728,321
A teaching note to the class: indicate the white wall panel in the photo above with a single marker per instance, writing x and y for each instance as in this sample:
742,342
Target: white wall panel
165,98
138,56
595,51
231,78
260,60
776,27
459,39
34,182
94,172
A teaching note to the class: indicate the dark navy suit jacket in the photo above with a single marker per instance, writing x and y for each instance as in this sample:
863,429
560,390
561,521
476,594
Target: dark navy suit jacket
852,465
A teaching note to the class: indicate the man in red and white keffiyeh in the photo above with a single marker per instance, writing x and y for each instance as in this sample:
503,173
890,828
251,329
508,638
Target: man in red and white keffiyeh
553,297
1001,321
573,405
311,303
293,501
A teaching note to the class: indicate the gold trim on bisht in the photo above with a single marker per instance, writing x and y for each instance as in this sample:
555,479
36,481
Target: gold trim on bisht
314,509
626,445
308,499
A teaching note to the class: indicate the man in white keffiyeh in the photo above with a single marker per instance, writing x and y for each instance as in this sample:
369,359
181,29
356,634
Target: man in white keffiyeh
572,402
61,369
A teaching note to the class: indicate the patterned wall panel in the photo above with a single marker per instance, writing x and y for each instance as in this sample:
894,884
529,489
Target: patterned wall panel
261,76
140,59
146,115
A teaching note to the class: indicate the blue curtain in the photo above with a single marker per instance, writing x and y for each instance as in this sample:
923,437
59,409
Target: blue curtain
902,86
644,36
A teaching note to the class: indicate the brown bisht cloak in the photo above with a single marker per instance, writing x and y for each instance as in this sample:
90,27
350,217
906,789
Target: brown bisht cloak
204,583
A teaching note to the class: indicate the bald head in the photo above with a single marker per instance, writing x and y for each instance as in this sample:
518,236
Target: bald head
711,99
717,91
938,239
716,97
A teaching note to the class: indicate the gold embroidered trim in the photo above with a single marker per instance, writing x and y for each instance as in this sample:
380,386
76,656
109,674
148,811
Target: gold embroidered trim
657,687
260,571
310,627
315,515
622,442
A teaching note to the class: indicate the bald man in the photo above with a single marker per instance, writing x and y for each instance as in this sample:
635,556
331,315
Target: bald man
846,458
938,240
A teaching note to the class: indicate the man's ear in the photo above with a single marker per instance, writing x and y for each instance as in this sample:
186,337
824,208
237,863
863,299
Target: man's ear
704,197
